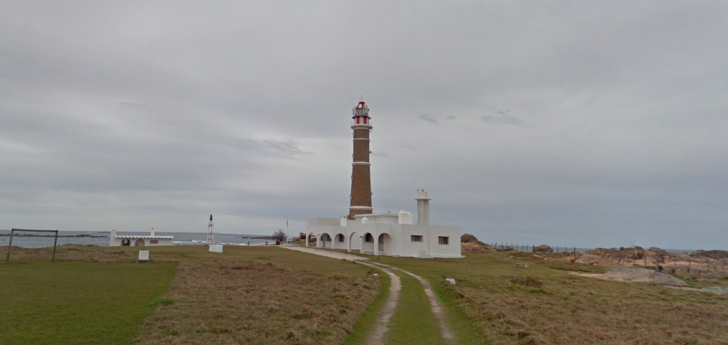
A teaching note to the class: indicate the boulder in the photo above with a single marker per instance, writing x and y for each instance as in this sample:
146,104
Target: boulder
468,238
543,249
474,248
589,259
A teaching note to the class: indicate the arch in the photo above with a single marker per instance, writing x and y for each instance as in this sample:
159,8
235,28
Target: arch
325,240
368,238
339,241
126,242
384,244
367,243
351,238
139,243
309,237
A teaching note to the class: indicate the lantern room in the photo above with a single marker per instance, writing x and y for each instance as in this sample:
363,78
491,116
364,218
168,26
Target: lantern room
361,114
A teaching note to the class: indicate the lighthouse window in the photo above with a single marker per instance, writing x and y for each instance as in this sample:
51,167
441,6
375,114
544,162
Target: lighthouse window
443,240
416,238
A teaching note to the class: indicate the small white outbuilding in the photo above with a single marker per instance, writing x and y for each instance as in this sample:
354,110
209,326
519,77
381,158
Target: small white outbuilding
150,240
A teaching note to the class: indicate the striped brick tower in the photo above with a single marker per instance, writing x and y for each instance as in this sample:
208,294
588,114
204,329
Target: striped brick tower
361,183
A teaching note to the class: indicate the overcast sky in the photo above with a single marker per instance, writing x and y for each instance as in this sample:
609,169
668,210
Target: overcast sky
580,123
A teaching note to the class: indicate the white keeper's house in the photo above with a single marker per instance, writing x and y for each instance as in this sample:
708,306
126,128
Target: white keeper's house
139,240
381,233
388,234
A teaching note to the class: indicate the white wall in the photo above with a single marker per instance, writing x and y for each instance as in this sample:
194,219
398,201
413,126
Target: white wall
116,242
452,249
398,244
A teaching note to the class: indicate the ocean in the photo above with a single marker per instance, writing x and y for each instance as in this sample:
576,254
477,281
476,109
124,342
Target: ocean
101,238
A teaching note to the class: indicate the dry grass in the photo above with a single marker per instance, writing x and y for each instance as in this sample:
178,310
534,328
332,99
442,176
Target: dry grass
231,302
248,295
575,310
498,303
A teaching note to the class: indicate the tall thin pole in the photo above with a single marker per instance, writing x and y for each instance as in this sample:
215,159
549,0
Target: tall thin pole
10,244
55,242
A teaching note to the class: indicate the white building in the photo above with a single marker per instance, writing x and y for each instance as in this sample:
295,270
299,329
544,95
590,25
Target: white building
388,233
139,240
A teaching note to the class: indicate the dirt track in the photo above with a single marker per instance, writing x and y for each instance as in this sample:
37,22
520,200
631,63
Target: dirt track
385,315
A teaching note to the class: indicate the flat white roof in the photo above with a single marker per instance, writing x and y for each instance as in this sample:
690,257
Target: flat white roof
143,236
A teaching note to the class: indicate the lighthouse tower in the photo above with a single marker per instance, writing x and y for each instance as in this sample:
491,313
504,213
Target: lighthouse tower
361,183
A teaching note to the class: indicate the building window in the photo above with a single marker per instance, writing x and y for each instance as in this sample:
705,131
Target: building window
153,242
416,238
340,238
369,238
443,240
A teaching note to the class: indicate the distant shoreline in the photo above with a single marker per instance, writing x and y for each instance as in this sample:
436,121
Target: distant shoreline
257,237
33,235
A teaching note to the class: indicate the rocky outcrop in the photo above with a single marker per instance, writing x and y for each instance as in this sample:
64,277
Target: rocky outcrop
470,244
543,249
698,263
468,238
712,254
474,248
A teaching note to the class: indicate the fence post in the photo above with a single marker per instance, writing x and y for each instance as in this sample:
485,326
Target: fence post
10,243
55,242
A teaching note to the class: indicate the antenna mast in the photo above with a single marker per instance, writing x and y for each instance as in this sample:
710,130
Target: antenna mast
210,239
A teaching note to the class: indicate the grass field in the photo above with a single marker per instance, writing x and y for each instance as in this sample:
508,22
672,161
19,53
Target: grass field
268,295
77,302
544,304
256,295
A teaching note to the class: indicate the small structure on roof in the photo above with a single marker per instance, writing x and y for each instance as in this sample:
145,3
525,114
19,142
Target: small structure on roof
139,240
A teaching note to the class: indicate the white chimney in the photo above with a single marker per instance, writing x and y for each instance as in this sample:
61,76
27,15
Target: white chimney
423,208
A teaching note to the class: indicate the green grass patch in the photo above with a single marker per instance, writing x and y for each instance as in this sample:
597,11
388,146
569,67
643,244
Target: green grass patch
78,302
461,325
366,322
413,321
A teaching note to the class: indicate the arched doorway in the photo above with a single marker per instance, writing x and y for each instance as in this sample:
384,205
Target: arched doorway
139,243
310,238
385,244
354,242
339,242
367,243
125,242
325,241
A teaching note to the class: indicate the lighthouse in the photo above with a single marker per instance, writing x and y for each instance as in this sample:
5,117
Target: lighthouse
361,183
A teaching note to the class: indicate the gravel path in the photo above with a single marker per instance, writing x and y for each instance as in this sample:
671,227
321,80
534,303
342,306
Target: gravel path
377,335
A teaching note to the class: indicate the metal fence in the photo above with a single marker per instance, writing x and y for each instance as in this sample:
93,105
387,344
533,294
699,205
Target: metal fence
529,248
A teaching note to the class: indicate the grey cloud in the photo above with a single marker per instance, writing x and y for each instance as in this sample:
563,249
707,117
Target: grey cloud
119,115
502,119
408,147
427,118
132,105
